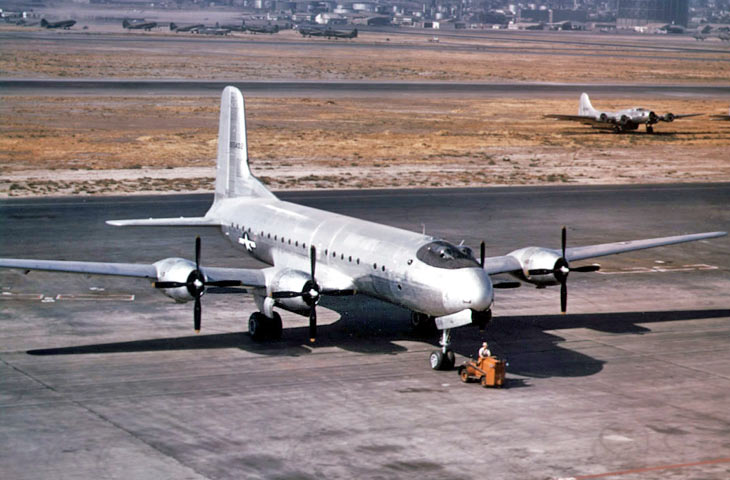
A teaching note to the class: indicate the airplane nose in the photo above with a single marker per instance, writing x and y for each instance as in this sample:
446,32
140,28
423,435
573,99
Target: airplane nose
473,291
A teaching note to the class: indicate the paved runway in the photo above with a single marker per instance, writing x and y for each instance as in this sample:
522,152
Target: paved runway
352,88
104,378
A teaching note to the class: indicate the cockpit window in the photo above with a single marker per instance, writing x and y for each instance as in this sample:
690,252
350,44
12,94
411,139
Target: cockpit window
445,255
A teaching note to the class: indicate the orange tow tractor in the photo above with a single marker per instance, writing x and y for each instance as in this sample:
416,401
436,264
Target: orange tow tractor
489,371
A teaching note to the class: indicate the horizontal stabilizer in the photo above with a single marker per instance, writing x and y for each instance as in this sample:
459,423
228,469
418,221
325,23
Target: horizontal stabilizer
167,222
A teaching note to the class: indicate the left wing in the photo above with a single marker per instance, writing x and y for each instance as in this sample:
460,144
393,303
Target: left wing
91,268
509,263
585,119
249,277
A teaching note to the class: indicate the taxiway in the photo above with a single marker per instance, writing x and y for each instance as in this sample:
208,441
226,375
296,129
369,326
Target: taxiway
104,378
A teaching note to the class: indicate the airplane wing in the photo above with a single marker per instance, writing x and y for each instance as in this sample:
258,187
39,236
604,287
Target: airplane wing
588,120
166,222
683,115
249,277
507,263
91,268
593,251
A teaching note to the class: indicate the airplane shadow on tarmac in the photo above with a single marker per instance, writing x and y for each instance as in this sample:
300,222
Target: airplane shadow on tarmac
527,342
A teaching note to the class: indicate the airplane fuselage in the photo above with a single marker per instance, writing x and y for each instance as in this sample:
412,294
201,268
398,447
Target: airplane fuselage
412,270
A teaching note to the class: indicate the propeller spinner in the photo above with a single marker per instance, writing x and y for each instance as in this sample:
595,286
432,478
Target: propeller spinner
561,270
311,293
196,284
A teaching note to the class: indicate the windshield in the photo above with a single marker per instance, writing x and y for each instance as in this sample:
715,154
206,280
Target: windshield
445,255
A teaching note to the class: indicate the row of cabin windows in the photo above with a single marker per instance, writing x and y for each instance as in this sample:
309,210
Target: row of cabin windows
304,245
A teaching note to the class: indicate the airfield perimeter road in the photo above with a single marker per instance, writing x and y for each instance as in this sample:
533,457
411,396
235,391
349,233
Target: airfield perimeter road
104,378
353,88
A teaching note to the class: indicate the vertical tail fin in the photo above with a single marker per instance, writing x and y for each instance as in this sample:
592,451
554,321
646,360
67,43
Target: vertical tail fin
233,177
585,108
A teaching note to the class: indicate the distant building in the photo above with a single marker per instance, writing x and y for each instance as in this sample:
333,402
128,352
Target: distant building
637,13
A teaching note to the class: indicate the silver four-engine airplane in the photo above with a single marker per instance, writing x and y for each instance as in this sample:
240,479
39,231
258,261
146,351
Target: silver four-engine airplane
620,121
313,253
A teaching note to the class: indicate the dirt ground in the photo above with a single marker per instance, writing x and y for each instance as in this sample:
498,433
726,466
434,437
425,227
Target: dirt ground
103,145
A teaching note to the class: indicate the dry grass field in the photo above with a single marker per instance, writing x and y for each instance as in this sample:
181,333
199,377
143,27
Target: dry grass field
96,145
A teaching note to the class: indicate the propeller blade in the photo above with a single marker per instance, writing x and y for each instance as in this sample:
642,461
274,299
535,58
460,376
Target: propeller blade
506,285
197,315
563,297
197,253
563,239
286,294
225,283
338,293
482,253
586,268
169,284
312,323
312,260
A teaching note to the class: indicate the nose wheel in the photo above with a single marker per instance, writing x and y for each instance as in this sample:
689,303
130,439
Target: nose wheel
443,359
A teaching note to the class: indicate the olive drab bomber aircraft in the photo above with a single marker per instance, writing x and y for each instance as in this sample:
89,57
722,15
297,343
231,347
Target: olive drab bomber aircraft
313,253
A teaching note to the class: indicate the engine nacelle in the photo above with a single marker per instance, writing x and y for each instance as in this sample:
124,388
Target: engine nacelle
537,258
175,270
668,117
290,281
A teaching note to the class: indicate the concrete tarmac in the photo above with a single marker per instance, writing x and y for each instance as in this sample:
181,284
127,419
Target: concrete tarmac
104,378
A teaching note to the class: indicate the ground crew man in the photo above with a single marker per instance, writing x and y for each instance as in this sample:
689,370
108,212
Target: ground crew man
484,351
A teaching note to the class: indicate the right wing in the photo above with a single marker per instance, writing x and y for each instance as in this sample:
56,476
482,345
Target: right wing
510,264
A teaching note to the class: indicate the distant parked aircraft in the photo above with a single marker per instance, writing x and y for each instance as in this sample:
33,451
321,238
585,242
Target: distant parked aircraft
270,29
341,33
239,27
139,25
327,32
64,24
186,28
214,30
620,121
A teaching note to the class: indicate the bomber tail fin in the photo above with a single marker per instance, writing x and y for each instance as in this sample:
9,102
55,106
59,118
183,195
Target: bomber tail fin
233,176
585,108
44,22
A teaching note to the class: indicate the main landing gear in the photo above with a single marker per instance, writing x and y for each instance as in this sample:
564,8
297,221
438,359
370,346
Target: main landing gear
261,327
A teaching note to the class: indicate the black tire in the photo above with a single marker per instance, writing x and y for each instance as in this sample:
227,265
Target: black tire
257,324
463,374
449,360
275,327
436,359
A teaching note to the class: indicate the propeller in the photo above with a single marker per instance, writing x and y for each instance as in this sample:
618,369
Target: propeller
311,293
482,253
561,270
196,284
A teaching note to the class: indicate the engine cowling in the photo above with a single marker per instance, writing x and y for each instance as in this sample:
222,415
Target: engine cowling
291,281
669,117
538,259
176,270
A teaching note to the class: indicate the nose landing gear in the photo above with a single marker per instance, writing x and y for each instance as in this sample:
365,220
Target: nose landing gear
443,359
